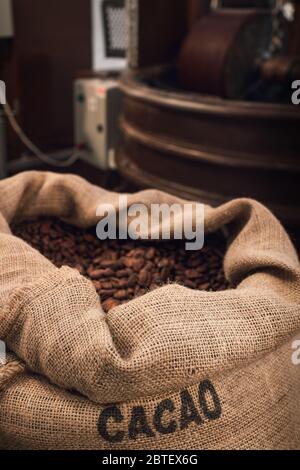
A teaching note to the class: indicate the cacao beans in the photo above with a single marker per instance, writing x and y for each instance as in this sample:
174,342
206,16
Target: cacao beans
123,270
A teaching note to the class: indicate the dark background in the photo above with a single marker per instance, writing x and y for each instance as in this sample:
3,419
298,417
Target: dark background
52,42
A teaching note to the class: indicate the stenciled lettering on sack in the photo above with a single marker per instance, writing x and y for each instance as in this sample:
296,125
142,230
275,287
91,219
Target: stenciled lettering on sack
167,418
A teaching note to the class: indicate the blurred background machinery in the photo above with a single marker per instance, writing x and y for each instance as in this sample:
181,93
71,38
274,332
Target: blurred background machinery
109,34
62,74
98,98
208,114
203,108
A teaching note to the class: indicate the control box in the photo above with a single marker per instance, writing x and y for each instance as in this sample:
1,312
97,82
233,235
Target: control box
97,106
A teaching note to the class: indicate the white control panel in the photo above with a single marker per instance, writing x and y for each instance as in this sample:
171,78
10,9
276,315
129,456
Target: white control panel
97,105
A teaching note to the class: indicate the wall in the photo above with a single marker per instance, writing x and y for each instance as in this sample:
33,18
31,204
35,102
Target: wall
52,43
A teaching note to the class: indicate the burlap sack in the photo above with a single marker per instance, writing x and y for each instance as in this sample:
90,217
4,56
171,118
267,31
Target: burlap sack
174,369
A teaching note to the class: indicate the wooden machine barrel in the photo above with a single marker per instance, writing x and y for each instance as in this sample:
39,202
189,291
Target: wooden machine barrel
208,148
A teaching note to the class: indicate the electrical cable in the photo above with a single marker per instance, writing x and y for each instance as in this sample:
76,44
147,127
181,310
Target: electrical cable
32,147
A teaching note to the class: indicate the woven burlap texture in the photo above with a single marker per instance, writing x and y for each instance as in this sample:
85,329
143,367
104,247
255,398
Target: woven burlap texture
160,343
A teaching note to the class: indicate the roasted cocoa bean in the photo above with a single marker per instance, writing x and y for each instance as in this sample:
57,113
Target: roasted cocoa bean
106,263
192,274
134,263
165,274
136,253
190,284
132,280
124,273
109,304
121,283
121,295
163,263
79,268
106,294
150,253
107,285
144,278
204,286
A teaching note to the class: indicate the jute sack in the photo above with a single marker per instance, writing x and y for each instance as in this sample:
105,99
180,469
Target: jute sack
174,369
